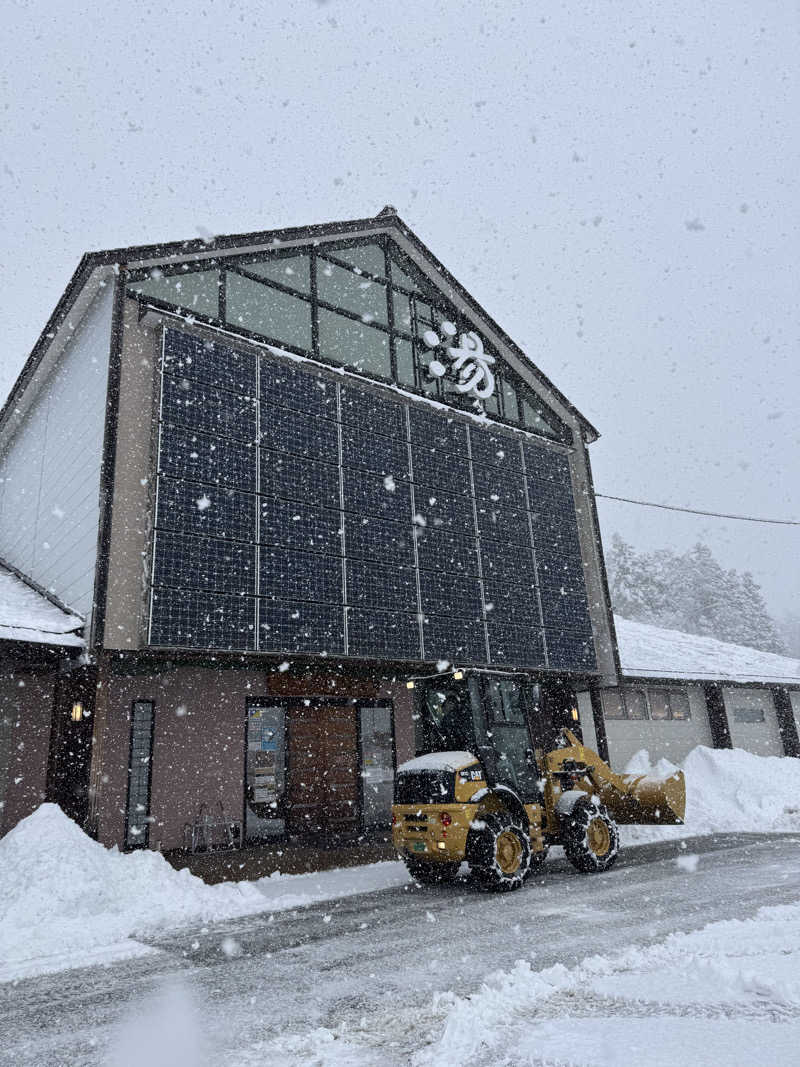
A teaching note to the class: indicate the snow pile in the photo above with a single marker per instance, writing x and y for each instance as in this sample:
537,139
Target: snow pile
729,993
727,790
61,892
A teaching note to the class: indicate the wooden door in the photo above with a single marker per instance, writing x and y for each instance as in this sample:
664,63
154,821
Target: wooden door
323,769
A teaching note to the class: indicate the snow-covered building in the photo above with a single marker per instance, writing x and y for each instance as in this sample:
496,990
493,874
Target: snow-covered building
278,474
681,690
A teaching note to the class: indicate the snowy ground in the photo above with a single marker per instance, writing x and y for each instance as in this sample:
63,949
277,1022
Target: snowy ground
402,975
359,966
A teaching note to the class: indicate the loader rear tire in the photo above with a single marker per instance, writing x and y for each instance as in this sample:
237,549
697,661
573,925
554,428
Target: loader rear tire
590,837
500,853
431,873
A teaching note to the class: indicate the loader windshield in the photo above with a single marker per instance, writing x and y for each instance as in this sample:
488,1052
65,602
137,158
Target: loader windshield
448,720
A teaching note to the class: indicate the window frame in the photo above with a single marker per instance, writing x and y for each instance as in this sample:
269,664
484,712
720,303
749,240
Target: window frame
141,840
424,384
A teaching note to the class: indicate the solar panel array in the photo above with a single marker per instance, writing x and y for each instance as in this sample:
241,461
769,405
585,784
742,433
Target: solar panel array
298,512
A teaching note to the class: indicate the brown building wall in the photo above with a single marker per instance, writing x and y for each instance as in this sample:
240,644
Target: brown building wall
199,745
26,708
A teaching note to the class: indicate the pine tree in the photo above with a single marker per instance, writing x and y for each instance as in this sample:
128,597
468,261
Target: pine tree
692,593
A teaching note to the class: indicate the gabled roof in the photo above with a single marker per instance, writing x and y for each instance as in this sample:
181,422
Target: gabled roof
387,221
30,617
653,652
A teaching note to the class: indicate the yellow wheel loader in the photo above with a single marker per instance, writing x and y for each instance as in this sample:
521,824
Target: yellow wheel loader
487,793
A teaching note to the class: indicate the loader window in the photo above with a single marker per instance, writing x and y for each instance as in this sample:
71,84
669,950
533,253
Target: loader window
505,701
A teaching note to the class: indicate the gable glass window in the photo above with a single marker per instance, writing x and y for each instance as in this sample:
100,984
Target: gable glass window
361,305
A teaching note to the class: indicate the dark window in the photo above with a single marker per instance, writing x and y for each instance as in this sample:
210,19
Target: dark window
747,713
140,766
635,703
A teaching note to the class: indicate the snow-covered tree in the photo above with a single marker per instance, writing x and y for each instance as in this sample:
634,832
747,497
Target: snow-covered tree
690,592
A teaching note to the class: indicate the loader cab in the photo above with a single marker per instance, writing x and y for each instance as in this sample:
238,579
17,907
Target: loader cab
487,714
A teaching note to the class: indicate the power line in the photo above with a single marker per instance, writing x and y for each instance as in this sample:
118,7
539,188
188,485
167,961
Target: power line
696,511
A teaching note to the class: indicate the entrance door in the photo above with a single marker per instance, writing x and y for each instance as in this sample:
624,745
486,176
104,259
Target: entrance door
377,765
71,743
323,769
508,726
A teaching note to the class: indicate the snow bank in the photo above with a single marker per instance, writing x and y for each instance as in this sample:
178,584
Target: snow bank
61,892
727,790
729,993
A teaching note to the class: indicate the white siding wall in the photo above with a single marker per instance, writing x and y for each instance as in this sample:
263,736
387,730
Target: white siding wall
50,471
763,738
673,740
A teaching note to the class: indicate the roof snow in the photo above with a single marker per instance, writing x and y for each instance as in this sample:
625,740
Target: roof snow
26,615
652,652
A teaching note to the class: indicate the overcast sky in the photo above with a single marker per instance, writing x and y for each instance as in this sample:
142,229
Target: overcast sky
617,183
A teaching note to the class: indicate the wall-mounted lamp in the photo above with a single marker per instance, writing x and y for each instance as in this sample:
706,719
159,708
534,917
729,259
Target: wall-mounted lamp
575,715
409,685
77,711
458,675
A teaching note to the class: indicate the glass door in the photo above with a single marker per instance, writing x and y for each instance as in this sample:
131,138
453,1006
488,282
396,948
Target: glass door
265,785
508,729
376,743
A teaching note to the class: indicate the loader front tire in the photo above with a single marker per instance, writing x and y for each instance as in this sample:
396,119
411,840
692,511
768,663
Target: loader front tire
590,837
431,873
500,853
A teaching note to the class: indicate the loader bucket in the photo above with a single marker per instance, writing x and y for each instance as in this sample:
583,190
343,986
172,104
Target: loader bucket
646,799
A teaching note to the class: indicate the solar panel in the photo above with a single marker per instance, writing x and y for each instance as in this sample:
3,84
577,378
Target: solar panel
332,526
499,485
438,432
202,620
498,523
371,585
300,627
369,451
205,458
445,593
285,574
286,386
299,434
374,494
203,407
367,537
570,651
199,359
367,410
205,509
388,635
442,470
297,478
203,563
454,639
507,563
495,449
301,526
442,550
512,645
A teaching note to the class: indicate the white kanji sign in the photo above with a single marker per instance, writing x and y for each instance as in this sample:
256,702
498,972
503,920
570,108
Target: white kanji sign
469,364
